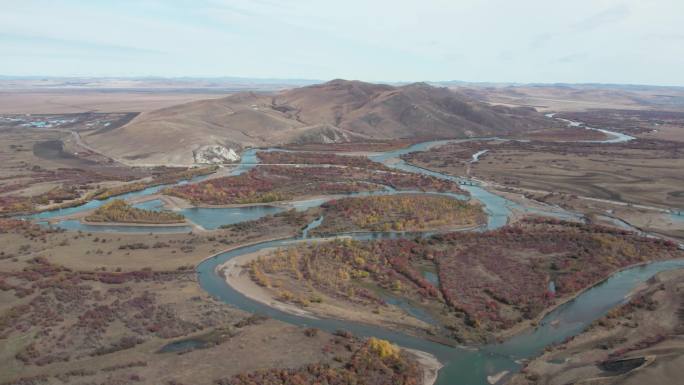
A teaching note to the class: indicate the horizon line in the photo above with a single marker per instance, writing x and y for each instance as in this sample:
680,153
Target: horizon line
311,81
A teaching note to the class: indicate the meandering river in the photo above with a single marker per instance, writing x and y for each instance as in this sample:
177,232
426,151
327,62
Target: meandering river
463,365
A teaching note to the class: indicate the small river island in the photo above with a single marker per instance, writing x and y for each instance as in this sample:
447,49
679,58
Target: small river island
119,211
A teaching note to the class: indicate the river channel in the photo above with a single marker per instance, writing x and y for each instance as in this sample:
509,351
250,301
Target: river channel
462,365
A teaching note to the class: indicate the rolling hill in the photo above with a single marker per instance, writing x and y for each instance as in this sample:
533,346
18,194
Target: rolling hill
336,111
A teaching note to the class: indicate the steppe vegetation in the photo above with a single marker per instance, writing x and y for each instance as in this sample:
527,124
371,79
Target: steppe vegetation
80,318
402,212
160,176
118,308
120,211
500,278
488,282
634,343
635,122
278,183
44,168
374,361
73,316
643,171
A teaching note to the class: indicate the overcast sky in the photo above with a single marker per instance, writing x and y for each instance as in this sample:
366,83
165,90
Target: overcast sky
611,41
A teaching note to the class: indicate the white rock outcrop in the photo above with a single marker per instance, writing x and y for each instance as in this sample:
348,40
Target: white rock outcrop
215,154
334,137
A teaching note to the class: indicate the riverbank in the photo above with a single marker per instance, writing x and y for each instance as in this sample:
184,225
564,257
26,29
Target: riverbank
239,279
294,293
176,203
637,218
436,230
430,364
639,340
138,224
236,277
533,323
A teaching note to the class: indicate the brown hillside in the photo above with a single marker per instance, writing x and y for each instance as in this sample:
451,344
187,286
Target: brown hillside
336,111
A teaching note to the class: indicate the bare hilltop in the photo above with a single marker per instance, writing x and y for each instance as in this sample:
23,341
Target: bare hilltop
338,111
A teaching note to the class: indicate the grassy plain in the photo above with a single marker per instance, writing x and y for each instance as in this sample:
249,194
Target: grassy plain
643,171
75,101
98,308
